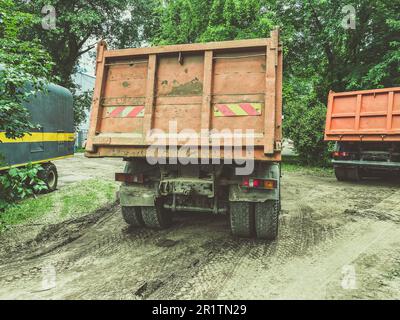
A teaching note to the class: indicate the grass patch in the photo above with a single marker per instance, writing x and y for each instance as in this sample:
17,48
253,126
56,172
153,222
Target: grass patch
80,150
72,201
291,164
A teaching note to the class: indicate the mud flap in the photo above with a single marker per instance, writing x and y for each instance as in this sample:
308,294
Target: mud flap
239,194
136,196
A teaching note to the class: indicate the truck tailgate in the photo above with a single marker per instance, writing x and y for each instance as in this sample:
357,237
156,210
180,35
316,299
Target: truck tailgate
370,115
213,86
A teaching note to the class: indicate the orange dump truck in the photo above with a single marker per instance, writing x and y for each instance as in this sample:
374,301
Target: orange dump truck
366,128
200,129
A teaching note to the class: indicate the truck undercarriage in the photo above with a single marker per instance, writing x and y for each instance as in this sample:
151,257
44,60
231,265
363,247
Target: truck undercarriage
150,195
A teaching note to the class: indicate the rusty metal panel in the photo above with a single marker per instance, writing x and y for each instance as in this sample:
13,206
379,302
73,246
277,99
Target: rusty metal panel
235,85
370,115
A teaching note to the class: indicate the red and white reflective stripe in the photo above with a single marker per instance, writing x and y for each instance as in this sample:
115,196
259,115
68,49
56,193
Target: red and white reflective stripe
125,112
237,109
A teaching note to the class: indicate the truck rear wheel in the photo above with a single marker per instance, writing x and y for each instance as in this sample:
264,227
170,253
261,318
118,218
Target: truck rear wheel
267,219
340,174
156,218
132,216
353,174
242,219
347,174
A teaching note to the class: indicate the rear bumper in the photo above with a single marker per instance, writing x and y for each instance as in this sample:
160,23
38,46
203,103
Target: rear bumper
367,164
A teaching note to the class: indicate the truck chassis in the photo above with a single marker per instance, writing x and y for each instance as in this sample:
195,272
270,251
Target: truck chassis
150,195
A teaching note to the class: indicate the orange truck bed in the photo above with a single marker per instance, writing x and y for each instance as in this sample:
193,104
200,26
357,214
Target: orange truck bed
370,115
222,85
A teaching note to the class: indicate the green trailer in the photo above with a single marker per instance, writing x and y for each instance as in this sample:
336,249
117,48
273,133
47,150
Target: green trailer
52,110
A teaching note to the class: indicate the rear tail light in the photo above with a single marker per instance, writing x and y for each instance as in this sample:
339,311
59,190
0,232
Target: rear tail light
338,154
269,184
129,178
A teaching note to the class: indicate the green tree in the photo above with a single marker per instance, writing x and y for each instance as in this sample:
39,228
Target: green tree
189,21
22,63
80,24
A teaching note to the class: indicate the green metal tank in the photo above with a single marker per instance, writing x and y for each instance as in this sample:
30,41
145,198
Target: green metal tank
52,110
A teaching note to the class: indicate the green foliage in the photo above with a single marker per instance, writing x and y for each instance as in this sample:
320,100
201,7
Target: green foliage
79,25
299,168
188,21
306,126
22,63
82,103
19,183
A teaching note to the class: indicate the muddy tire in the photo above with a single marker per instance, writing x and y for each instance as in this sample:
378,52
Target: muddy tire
132,216
341,174
347,174
267,219
242,219
156,218
49,176
353,174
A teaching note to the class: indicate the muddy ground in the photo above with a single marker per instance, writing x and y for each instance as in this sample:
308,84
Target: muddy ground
336,241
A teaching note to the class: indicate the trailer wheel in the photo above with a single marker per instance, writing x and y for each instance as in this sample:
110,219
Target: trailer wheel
49,176
132,216
156,218
242,219
267,219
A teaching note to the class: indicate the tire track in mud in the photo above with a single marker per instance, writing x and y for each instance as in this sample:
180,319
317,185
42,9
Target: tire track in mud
298,236
212,273
292,281
229,256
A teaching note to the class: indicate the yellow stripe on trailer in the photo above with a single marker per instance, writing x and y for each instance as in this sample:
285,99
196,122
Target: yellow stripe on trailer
40,137
36,162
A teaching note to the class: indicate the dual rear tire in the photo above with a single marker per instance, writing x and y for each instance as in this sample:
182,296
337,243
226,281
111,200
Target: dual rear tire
150,217
255,219
246,219
347,174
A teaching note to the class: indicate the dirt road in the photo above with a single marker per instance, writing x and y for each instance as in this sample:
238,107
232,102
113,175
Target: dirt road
79,168
337,241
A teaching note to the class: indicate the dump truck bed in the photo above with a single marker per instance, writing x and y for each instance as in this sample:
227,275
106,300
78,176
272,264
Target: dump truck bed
234,85
370,115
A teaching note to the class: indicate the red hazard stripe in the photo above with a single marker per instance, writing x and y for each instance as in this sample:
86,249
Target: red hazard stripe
135,112
247,107
224,109
117,111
